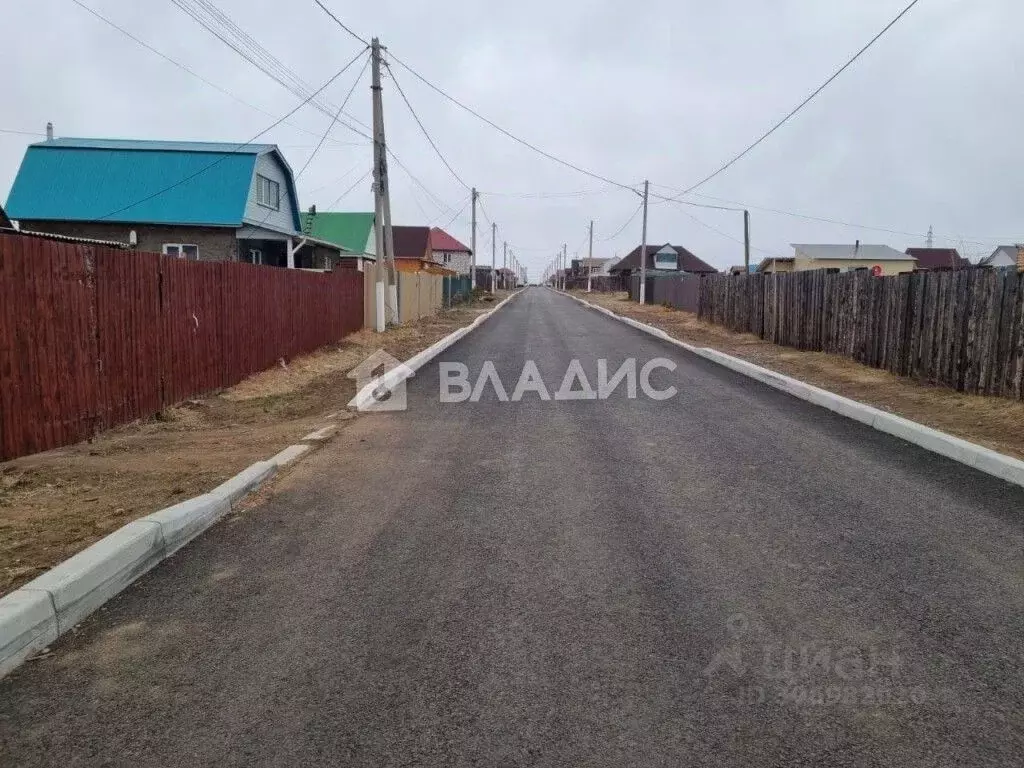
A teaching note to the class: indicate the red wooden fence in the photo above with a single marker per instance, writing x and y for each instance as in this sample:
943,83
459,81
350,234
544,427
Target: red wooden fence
93,337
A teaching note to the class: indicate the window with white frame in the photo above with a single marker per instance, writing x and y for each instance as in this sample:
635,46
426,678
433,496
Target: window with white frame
666,258
182,251
255,256
268,192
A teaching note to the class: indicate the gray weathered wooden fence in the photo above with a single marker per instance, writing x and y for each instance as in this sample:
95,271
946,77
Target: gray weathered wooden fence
964,329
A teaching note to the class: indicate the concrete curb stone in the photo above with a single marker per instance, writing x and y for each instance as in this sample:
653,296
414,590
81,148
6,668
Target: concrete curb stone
37,614
28,623
983,459
244,482
289,455
402,372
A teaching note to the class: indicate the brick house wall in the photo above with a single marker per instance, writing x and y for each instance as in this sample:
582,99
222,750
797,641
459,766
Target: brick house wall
215,243
456,261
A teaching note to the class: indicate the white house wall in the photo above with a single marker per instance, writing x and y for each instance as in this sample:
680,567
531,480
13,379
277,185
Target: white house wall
268,165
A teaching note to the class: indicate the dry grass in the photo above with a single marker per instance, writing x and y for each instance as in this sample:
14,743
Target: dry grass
989,421
56,503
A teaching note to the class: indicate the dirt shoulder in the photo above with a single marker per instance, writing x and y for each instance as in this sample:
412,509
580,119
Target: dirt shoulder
990,421
56,503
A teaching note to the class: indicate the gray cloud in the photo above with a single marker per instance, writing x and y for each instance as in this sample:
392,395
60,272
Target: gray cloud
922,131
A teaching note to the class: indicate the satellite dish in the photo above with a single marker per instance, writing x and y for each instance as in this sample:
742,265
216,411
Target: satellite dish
877,270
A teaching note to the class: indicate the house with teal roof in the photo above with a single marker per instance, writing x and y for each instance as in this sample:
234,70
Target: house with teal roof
192,200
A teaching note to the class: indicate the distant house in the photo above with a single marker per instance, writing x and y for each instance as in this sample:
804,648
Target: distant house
935,259
352,233
662,259
1005,257
742,270
449,252
594,267
877,259
413,253
190,200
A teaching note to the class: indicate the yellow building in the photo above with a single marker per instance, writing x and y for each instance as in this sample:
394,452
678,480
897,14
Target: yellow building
877,259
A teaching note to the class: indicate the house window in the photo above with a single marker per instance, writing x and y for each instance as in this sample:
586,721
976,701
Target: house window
268,192
255,256
182,251
666,259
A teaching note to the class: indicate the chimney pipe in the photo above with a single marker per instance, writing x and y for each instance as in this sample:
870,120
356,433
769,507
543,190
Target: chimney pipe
49,131
856,248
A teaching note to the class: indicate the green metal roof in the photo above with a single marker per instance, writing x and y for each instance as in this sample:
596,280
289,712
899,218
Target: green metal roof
351,231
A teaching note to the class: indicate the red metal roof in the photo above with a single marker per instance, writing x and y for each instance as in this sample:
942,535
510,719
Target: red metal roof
936,258
442,241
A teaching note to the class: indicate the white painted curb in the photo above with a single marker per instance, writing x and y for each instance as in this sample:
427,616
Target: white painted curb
973,455
28,624
183,522
322,435
35,615
289,455
407,370
245,481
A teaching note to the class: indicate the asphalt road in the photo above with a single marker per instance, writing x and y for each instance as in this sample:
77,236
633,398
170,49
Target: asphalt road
730,577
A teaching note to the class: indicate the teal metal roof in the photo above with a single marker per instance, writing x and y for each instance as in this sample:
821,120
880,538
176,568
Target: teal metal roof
146,182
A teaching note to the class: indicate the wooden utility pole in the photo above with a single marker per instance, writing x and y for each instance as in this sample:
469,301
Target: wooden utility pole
472,244
746,242
386,282
590,255
643,248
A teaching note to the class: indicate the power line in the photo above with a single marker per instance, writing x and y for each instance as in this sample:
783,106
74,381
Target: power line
545,195
344,194
340,23
195,74
622,229
336,116
277,79
457,215
510,135
258,56
338,180
806,101
221,159
419,122
842,223
216,22
21,133
726,235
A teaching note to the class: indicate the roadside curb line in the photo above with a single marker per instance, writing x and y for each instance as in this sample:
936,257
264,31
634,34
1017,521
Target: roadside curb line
35,615
391,379
971,454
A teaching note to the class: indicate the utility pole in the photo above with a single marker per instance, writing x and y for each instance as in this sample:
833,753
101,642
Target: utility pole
494,269
494,249
565,248
746,242
472,266
590,255
643,248
386,296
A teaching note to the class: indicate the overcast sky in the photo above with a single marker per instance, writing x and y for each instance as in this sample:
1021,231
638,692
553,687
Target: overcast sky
921,131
